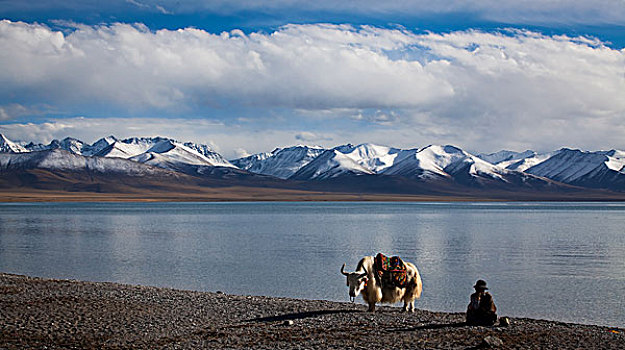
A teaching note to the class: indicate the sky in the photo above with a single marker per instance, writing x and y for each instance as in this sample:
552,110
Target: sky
249,76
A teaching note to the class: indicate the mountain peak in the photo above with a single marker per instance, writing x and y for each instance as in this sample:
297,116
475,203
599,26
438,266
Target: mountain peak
9,146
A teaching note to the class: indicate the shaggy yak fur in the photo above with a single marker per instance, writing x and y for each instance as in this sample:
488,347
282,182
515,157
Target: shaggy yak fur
363,280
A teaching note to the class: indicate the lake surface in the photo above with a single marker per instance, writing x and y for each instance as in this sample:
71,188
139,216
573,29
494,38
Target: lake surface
562,261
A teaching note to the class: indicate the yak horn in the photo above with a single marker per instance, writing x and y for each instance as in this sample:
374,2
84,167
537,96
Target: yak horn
343,272
365,273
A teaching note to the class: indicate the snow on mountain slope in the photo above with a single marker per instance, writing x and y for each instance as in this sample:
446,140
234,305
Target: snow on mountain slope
170,152
429,161
575,166
129,147
373,157
439,158
253,161
101,144
171,155
281,163
526,163
163,161
415,166
72,145
443,162
213,157
9,146
616,160
330,164
568,165
57,159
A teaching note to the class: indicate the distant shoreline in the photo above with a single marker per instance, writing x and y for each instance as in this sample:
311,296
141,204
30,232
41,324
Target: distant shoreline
221,195
60,314
243,194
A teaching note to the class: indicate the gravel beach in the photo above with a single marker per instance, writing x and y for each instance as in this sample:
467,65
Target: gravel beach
63,314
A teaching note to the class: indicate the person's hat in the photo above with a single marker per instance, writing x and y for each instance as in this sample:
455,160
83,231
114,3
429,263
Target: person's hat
480,284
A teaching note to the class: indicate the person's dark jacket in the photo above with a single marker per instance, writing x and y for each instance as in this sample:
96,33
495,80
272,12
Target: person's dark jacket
482,310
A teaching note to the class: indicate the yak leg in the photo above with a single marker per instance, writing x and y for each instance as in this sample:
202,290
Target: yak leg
371,307
408,306
411,306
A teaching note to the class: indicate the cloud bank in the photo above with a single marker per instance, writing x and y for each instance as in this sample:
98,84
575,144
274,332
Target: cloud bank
476,89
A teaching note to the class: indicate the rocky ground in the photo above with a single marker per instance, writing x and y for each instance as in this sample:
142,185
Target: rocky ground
60,314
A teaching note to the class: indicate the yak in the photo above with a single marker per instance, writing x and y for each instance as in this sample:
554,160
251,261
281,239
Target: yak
364,280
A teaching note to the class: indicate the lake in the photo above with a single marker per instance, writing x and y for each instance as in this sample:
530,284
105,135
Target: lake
559,261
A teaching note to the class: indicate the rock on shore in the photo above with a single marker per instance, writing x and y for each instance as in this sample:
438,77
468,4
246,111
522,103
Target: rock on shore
61,314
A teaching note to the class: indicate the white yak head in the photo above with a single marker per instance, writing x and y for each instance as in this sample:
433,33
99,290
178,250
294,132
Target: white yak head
356,281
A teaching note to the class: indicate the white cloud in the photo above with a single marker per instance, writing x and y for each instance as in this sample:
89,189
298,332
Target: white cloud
311,67
15,110
241,153
378,117
306,136
479,90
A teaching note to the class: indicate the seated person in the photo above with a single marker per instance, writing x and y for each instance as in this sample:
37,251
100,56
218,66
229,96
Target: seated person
482,310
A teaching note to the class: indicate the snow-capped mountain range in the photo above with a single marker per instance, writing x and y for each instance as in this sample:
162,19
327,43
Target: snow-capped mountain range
433,163
600,169
157,151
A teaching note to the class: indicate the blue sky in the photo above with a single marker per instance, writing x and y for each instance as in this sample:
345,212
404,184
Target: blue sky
248,76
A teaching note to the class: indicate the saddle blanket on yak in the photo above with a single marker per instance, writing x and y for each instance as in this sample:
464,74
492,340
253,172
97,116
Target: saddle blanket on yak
390,271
